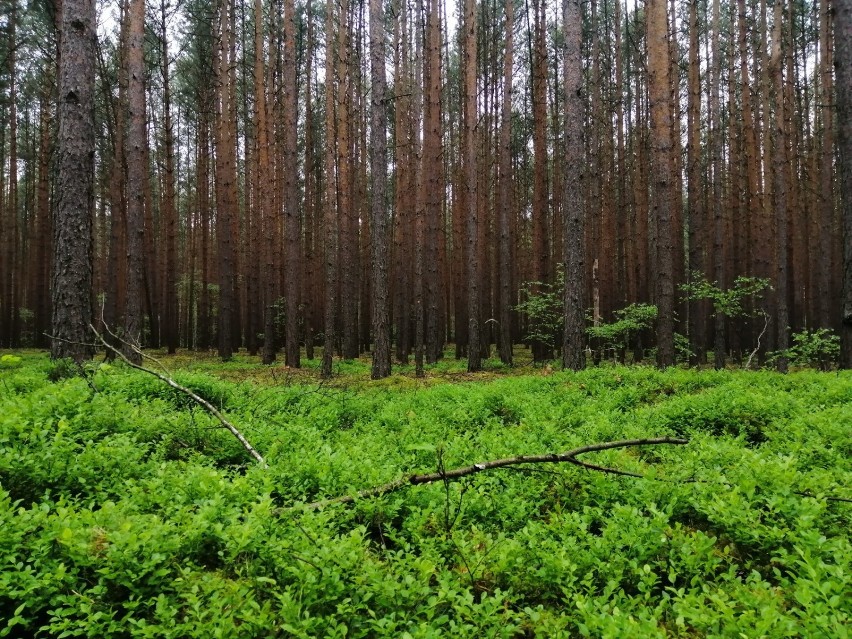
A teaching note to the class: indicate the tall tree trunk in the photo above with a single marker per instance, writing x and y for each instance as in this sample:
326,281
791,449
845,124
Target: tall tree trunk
115,302
828,59
431,174
680,310
474,354
766,229
203,177
12,277
505,181
573,216
659,87
736,227
312,194
250,257
136,183
169,211
417,184
593,222
779,175
292,227
716,180
348,231
71,277
330,198
750,144
378,174
150,249
540,194
364,113
697,310
621,165
262,202
43,232
459,215
233,180
843,88
5,237
403,217
225,183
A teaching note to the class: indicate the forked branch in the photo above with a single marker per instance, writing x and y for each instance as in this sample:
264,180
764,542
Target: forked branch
569,457
210,408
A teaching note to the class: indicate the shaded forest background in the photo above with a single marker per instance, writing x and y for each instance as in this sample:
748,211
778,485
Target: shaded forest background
257,163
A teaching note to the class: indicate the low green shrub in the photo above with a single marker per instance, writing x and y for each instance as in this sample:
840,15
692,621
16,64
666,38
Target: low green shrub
126,512
819,348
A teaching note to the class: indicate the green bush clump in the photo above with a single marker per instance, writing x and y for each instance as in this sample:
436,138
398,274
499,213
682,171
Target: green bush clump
143,388
63,369
819,348
126,512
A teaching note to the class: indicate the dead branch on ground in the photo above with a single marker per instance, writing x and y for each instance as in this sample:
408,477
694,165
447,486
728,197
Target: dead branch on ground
569,457
183,389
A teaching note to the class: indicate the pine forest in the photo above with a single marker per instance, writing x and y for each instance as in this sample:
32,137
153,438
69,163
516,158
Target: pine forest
292,179
426,318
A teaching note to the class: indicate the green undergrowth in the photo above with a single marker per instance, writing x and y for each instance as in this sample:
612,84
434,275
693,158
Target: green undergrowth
126,511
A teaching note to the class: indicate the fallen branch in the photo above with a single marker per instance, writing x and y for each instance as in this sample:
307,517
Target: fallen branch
183,389
569,457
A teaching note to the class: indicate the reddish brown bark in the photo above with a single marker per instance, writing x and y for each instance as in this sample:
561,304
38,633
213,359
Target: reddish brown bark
573,338
663,175
169,212
474,355
136,144
505,192
378,163
292,222
540,190
843,64
225,173
431,178
331,201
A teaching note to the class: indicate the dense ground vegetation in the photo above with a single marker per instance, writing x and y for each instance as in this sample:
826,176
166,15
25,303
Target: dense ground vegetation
125,511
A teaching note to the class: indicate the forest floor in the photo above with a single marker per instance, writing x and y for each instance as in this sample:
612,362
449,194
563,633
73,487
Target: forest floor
128,511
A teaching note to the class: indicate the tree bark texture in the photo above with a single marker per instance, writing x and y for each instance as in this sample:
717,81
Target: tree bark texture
225,185
662,171
780,186
331,200
379,212
843,66
136,174
474,355
292,222
267,220
716,143
72,238
505,192
573,215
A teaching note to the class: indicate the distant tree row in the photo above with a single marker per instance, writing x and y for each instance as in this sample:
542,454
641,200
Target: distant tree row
395,176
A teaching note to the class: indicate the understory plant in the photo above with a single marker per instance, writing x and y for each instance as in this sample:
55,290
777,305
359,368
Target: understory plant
543,305
126,511
819,348
615,336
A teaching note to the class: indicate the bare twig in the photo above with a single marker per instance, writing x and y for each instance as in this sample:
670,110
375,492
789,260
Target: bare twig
465,471
757,348
183,389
